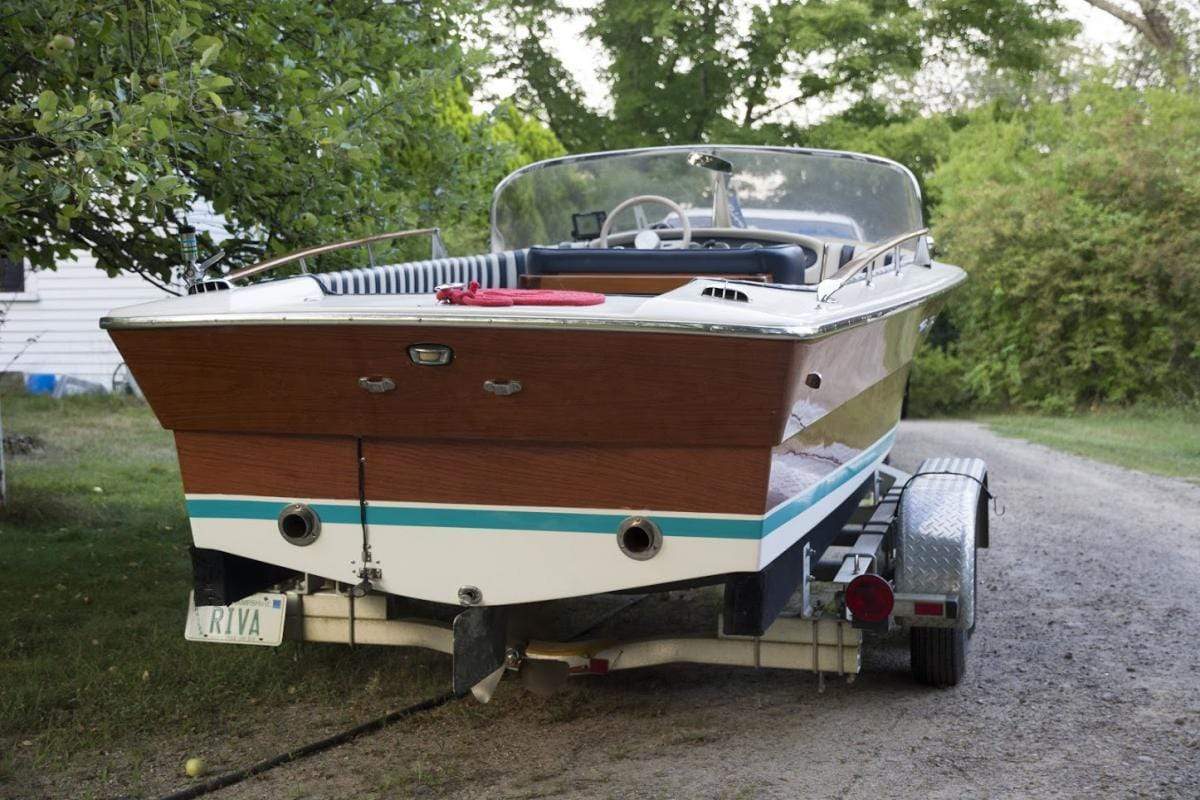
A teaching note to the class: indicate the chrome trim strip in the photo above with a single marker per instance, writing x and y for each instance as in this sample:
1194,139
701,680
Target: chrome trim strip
906,302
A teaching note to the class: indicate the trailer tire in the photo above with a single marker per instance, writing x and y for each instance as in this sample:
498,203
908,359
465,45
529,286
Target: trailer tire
939,655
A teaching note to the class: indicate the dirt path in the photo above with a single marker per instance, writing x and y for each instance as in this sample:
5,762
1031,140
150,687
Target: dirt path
1084,681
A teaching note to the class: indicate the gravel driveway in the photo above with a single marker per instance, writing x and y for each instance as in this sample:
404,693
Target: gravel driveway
1084,681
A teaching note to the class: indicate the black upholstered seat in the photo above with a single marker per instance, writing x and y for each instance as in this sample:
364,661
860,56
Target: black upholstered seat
784,263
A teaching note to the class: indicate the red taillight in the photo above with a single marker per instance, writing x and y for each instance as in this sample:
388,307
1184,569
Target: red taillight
869,598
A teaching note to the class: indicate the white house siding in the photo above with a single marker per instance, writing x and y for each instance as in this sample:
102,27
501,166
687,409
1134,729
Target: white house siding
61,310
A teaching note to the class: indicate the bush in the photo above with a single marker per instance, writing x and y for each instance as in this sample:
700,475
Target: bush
937,385
1078,224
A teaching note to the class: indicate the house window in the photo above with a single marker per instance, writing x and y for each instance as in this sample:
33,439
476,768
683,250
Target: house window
12,276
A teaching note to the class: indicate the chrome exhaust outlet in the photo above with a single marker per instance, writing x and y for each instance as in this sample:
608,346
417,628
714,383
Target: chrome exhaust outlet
299,524
639,538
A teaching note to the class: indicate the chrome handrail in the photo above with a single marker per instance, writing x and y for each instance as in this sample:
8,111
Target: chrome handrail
309,252
831,285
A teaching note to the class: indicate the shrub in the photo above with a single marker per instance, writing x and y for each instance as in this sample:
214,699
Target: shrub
937,385
1078,224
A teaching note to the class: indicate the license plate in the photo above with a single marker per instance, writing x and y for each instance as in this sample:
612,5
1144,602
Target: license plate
257,619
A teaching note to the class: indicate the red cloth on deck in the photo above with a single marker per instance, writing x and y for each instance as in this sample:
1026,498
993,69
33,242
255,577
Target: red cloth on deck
474,296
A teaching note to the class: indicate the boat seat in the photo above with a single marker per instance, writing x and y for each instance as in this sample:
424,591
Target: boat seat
790,264
492,271
783,263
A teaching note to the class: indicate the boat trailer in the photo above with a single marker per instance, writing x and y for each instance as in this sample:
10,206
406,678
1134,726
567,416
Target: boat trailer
905,557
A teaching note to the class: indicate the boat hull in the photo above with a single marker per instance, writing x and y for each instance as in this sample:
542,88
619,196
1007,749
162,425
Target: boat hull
735,447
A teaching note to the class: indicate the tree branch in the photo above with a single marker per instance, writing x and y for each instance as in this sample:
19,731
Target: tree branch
1139,23
1126,16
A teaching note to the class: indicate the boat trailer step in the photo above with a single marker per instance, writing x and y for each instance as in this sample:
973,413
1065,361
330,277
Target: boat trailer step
825,645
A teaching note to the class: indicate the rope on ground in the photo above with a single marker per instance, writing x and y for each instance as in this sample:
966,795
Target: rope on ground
237,776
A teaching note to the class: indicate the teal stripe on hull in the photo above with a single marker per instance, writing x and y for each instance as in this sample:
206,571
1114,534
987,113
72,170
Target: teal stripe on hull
556,521
205,508
552,521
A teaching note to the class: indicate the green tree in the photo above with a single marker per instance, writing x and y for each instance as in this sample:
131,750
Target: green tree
696,70
297,121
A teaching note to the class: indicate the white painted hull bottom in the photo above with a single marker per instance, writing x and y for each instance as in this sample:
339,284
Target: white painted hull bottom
519,554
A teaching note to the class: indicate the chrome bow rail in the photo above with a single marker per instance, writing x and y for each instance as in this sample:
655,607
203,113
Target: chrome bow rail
827,288
302,256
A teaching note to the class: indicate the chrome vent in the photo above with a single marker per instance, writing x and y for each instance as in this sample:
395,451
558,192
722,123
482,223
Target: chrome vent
725,293
204,287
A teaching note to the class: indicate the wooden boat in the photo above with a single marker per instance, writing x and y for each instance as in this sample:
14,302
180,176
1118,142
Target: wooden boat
715,419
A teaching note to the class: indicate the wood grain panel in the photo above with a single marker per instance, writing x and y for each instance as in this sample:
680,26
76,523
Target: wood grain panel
609,283
835,438
730,480
276,466
852,361
578,386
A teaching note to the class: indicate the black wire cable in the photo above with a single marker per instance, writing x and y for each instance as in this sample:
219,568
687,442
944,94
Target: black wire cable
239,775
999,510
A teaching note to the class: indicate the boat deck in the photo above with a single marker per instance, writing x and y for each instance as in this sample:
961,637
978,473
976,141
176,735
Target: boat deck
766,311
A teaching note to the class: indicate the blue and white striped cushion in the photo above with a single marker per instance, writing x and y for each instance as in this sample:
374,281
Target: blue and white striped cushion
494,270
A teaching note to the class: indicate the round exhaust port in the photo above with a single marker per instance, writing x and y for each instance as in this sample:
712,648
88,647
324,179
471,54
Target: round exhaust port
639,538
299,524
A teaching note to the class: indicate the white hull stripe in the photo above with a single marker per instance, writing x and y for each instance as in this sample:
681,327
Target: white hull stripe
556,520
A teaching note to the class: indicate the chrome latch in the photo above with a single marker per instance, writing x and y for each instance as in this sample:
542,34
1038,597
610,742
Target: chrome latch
377,385
430,355
502,388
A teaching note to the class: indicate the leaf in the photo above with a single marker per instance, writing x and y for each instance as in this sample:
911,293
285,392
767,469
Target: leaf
47,102
215,99
348,86
210,54
159,129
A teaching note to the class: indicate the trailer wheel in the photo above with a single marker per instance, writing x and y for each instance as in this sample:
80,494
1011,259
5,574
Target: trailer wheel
939,655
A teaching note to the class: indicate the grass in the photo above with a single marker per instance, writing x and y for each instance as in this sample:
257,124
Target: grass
93,553
1163,441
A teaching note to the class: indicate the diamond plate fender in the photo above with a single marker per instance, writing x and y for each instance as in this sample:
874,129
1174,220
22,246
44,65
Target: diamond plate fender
941,520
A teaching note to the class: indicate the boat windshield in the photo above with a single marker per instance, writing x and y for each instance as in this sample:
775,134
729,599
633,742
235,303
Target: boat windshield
818,193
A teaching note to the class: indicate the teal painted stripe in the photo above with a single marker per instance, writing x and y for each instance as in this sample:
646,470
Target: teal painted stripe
551,521
556,521
205,508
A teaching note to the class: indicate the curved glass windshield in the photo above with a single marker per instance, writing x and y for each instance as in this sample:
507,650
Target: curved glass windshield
822,194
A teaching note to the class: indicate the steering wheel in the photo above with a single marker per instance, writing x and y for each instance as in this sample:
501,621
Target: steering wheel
646,238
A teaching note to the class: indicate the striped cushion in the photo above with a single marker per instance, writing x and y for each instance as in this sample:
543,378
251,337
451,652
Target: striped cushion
494,270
